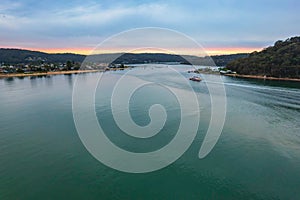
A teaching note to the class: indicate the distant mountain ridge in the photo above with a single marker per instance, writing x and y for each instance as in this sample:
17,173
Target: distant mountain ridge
16,56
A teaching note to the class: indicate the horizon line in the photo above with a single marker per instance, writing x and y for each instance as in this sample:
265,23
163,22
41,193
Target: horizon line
215,51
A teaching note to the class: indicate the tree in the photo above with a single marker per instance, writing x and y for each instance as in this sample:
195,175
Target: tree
20,70
69,65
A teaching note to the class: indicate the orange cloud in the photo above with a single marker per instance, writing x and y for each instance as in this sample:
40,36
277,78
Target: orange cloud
197,52
232,50
84,51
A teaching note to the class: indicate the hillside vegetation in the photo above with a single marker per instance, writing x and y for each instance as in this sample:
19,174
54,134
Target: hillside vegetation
281,60
15,56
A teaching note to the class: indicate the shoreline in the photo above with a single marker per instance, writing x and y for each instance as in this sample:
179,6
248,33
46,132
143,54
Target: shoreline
49,73
262,77
96,70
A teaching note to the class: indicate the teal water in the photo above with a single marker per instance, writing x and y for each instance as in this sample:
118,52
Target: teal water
42,157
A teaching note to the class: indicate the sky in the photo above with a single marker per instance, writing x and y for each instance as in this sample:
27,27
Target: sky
220,26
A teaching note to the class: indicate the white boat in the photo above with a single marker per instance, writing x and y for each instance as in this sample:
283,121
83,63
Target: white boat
196,78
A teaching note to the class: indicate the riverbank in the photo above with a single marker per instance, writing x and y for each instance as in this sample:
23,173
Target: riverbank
48,73
262,77
57,72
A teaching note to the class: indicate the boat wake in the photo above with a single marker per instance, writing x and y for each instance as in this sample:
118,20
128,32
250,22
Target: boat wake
289,90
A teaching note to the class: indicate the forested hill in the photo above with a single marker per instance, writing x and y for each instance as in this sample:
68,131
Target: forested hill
223,60
17,56
280,60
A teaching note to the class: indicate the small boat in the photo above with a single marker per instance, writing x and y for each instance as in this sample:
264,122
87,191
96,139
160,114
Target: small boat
195,78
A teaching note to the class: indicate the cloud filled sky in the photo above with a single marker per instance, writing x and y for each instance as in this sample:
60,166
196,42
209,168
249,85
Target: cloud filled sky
221,26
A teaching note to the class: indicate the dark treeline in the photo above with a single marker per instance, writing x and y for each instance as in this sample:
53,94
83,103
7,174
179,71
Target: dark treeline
280,60
223,60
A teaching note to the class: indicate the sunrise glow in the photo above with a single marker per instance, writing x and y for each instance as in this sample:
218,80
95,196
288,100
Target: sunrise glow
196,52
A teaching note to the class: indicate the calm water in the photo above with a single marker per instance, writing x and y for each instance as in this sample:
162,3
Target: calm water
42,157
